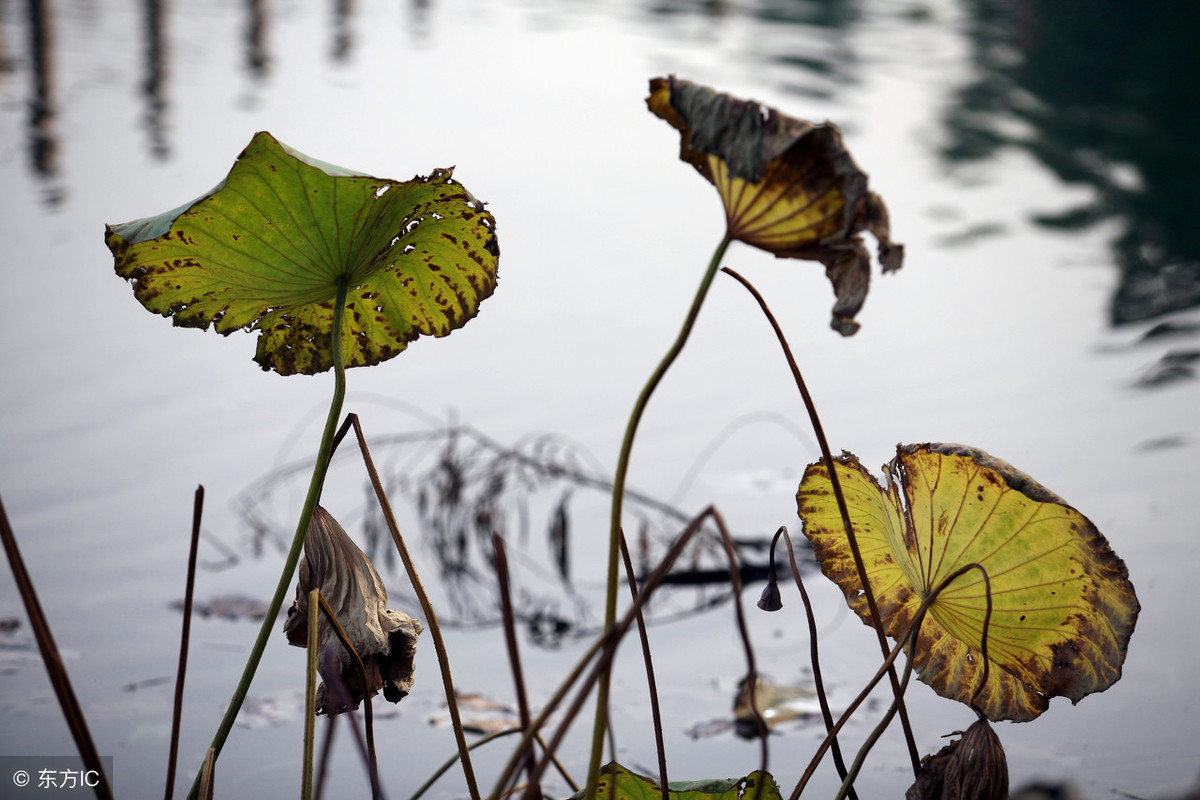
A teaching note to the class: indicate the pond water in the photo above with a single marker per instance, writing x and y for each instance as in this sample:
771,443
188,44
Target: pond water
1038,163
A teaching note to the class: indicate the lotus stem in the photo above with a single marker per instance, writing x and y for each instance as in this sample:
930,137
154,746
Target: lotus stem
368,714
601,651
181,671
293,556
510,642
651,682
618,497
831,466
748,649
431,620
887,666
310,695
845,717
813,652
52,659
208,775
531,735
861,756
341,694
450,762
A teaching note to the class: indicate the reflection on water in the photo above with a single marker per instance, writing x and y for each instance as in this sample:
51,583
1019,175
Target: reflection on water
804,48
547,497
808,46
43,138
43,145
1094,90
343,31
1100,93
1096,101
154,84
1177,364
257,59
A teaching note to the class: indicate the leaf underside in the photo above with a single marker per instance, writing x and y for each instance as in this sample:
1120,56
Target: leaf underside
267,249
1063,608
788,186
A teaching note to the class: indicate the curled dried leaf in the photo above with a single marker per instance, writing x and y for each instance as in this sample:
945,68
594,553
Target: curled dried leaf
789,186
386,640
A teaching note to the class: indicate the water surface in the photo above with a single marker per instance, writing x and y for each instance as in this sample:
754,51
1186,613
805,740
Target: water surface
1037,164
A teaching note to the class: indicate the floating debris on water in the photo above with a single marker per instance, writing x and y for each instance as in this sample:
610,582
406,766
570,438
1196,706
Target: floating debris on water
228,606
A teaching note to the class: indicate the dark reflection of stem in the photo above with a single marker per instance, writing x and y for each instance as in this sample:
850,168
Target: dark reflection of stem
420,18
154,83
7,64
43,139
343,39
256,32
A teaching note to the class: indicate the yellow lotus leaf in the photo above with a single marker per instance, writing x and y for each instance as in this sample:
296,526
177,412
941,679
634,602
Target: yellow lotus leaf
1063,608
788,186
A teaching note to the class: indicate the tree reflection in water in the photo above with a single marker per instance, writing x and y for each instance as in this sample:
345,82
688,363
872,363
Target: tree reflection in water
1103,92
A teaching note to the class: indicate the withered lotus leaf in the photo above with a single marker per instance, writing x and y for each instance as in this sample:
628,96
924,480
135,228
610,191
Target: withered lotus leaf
1063,608
788,186
386,640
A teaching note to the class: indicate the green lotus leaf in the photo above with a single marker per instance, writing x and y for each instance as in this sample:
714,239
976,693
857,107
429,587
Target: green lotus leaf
631,786
1063,608
268,248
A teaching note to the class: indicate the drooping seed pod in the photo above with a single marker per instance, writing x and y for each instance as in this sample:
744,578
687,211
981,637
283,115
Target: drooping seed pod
971,768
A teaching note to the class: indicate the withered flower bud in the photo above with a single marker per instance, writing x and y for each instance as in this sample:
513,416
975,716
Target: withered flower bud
971,768
771,599
386,640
